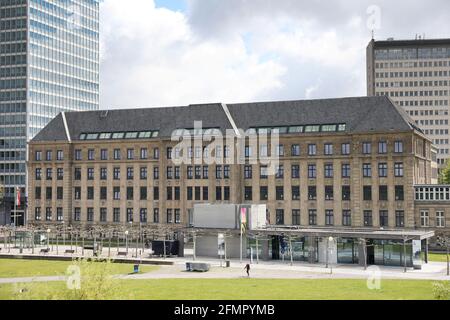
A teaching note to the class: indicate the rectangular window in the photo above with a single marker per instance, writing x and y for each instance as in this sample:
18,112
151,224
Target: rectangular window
345,169
382,170
279,215
117,154
295,171
37,214
205,193
129,214
156,153
328,170
169,172
329,193
90,214
48,214
90,193
48,156
312,172
312,215
116,173
263,193
312,149
49,174
78,156
398,147
60,173
189,194
59,214
143,215
346,218
143,193
424,218
345,149
37,193
155,193
103,215
383,191
77,193
130,154
218,172
384,218
280,172
103,193
156,215
329,218
38,156
177,216
367,170
399,193
295,150
91,154
90,173
198,172
130,173
143,173
368,221
226,193
59,155
440,219
247,172
116,215
169,216
328,149
367,193
48,193
263,174
156,173
177,174
346,193
169,193
104,154
399,219
295,192
39,174
205,172
312,193
116,193
218,193
59,193
248,193
226,172
398,169
144,153
367,148
279,191
382,147
197,194
295,217
77,214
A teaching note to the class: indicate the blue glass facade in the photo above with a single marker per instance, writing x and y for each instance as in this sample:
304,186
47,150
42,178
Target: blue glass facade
49,63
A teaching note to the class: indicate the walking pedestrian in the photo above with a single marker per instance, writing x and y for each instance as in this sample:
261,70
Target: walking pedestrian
247,269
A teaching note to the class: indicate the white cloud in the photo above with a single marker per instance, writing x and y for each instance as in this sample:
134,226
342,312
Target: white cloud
246,50
151,57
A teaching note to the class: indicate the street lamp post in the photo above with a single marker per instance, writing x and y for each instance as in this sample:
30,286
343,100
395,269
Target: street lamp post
126,241
48,239
64,233
330,240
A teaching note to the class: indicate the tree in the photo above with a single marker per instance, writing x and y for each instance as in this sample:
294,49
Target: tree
444,177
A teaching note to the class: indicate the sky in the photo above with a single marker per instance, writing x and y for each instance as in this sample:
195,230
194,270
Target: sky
157,53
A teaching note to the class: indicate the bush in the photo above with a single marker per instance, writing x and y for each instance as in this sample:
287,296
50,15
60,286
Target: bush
441,290
86,280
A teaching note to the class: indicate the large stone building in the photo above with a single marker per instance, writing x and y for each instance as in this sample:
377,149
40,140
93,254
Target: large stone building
342,165
49,54
415,74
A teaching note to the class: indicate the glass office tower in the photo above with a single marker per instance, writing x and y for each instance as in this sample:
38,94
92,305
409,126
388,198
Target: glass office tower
49,54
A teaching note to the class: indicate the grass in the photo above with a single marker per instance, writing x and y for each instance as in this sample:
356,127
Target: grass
17,268
437,257
264,289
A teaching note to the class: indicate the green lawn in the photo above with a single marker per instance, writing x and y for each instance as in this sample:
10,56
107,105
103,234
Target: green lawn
250,289
437,257
16,268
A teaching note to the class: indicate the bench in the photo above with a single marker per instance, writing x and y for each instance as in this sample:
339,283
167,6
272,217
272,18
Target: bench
45,251
70,251
124,254
197,266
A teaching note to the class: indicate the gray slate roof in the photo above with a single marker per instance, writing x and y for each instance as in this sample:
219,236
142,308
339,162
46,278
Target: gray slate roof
361,114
